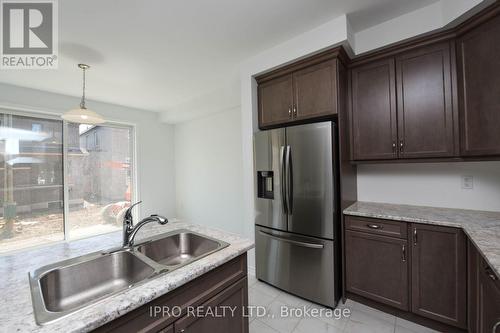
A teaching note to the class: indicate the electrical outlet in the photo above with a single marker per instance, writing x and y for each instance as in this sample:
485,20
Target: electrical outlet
467,182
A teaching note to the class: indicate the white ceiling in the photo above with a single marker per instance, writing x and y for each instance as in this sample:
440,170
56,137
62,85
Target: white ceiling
156,54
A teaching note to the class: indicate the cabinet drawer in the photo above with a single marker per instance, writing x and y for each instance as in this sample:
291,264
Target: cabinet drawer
376,226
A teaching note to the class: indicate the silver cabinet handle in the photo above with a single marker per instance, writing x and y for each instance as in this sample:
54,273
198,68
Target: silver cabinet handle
401,145
490,273
497,325
294,111
291,241
415,237
289,112
394,146
374,226
404,253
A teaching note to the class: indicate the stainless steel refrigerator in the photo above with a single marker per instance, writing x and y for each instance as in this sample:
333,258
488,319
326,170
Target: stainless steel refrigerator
297,218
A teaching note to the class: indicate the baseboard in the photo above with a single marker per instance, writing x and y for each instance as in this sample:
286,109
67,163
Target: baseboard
435,325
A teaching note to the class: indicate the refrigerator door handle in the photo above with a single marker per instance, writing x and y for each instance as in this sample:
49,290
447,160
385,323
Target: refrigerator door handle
291,241
289,179
283,180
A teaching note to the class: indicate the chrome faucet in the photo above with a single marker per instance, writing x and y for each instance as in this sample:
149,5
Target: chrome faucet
129,230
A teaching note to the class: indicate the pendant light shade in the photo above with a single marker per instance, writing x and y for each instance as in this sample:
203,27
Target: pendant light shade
82,114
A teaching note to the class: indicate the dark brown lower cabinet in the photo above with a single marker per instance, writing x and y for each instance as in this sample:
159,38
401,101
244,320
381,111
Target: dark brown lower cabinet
418,270
169,329
377,268
197,306
488,300
439,274
484,295
473,257
222,313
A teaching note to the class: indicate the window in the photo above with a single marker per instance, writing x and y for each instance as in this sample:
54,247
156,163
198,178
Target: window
34,161
96,140
87,142
31,180
99,180
37,128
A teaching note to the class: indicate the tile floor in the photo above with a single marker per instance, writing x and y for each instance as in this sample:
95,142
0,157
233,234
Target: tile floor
362,319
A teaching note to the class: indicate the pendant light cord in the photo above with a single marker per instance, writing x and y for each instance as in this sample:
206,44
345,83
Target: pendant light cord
82,103
82,115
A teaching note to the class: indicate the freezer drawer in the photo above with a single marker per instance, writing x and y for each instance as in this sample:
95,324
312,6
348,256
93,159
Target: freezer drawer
303,266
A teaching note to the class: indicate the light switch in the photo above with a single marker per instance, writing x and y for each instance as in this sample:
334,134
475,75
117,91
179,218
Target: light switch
467,182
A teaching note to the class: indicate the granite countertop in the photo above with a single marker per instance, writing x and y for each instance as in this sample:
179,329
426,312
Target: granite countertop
482,227
16,311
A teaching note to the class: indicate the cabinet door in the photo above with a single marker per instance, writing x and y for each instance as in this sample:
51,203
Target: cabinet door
488,300
425,108
315,91
439,274
373,111
275,101
473,259
225,312
479,90
169,329
377,268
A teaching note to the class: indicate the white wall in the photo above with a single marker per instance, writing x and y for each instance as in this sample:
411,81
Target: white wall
424,20
220,98
154,141
432,184
208,162
405,26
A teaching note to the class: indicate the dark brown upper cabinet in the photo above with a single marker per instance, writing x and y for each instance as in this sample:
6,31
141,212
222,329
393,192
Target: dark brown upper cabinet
425,109
377,268
439,274
447,94
276,101
315,91
479,89
402,107
373,111
303,91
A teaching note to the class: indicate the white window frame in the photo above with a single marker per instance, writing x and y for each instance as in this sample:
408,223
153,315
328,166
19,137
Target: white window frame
20,111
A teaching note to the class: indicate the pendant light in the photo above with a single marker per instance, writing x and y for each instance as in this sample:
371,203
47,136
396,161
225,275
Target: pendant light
83,115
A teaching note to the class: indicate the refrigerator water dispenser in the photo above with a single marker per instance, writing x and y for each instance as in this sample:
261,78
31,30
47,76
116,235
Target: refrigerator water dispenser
265,184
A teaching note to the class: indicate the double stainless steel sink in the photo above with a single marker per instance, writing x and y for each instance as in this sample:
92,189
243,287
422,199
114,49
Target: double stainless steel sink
67,286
